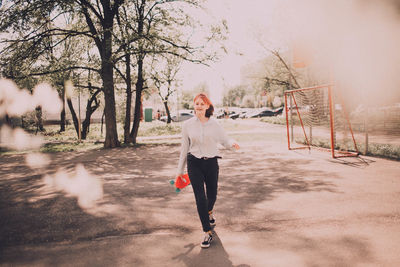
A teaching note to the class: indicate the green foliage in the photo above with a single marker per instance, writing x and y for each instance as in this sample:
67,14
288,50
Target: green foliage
247,102
234,96
187,100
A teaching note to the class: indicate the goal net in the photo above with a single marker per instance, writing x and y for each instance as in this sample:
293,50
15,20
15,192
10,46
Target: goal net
317,117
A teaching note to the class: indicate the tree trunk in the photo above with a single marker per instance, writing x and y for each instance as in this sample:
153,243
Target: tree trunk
74,117
22,122
62,115
111,139
138,102
89,111
39,119
167,111
128,99
102,123
140,81
8,120
85,126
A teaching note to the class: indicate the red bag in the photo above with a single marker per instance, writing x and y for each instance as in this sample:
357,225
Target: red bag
179,183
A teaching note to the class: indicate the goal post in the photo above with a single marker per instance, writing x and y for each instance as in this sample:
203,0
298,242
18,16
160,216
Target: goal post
317,117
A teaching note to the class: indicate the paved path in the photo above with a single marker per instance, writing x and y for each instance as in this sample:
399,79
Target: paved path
275,208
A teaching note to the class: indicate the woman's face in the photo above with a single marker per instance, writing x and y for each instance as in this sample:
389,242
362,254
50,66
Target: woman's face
200,107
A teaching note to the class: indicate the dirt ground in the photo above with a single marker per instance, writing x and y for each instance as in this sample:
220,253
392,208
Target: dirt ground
275,208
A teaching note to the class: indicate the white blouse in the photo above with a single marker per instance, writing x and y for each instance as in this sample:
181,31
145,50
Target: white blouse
201,140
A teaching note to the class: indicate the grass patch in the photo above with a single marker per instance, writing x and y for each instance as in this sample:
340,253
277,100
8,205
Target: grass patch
68,141
157,129
281,120
56,141
382,150
72,146
388,151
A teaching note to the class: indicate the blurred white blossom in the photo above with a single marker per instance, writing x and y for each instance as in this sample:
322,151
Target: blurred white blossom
86,187
37,160
44,95
69,89
18,139
14,101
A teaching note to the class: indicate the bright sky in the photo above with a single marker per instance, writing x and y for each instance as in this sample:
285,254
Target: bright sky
245,21
356,40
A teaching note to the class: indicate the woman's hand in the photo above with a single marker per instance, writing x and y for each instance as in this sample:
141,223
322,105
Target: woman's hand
236,146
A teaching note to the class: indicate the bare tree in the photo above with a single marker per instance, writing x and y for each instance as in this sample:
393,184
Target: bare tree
164,76
160,28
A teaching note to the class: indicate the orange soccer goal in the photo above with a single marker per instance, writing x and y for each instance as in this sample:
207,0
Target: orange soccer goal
316,117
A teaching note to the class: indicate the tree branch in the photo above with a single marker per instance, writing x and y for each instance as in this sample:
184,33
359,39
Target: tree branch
90,6
56,71
89,87
276,53
116,6
92,28
120,73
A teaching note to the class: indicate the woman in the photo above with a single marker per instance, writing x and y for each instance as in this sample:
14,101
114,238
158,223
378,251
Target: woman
200,136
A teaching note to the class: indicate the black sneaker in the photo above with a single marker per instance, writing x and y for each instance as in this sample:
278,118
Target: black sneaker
207,241
212,220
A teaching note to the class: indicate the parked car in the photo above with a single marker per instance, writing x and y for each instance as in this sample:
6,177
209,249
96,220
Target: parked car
240,114
220,115
250,112
278,111
266,112
234,116
246,114
183,115
223,114
164,118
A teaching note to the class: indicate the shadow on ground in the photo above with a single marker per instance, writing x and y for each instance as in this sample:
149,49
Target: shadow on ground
138,200
214,256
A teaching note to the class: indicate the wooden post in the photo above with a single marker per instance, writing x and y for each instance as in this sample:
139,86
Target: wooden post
287,121
366,131
331,116
291,118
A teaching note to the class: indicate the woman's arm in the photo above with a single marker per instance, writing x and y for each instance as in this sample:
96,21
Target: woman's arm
224,139
184,150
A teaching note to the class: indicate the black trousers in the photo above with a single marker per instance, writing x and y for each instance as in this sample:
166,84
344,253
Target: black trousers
204,172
